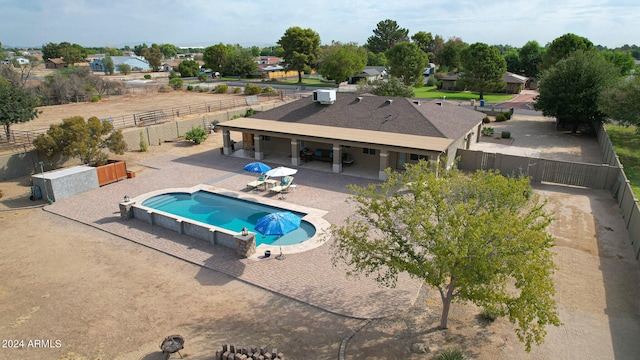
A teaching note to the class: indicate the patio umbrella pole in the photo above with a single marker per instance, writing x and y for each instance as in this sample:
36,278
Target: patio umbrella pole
281,256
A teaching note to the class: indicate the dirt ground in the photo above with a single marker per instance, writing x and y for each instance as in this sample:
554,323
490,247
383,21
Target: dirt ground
97,296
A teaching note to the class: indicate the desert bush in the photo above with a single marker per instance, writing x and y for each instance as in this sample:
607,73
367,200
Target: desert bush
221,89
451,354
487,131
96,98
147,76
507,115
252,89
489,315
189,87
500,117
431,81
505,134
164,89
268,90
143,142
173,74
202,77
486,120
175,83
197,135
237,90
249,112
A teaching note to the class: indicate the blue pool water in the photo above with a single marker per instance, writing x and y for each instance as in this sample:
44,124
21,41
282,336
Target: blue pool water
228,213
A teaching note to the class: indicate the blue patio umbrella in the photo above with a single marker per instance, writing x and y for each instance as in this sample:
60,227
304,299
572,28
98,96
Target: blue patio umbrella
257,167
278,223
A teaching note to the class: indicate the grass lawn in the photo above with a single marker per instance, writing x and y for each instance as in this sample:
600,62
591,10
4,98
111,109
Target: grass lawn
626,142
430,92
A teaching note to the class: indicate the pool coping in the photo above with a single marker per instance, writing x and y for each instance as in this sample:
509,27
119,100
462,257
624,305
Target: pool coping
313,216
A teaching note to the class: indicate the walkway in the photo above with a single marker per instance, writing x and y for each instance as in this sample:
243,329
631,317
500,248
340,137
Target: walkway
308,277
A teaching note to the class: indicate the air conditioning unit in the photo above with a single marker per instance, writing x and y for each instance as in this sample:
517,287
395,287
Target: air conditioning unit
324,96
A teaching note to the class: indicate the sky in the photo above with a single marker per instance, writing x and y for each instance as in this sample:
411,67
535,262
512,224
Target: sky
193,23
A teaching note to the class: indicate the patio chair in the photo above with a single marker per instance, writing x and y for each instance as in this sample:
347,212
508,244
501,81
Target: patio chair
260,180
284,185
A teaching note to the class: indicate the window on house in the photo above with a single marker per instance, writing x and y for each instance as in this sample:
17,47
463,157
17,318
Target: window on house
368,151
416,157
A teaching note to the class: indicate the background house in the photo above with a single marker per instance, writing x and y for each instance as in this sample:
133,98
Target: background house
55,63
370,73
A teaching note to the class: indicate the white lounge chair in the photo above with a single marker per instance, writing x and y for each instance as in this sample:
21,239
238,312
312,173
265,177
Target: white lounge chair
260,180
284,185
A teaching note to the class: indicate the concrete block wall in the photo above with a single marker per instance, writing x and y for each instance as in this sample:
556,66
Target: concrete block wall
65,183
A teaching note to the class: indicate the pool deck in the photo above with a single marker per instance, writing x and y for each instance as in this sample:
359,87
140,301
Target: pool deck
306,276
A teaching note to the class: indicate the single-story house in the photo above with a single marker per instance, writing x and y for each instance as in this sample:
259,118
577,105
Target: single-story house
353,132
370,73
55,63
514,83
137,63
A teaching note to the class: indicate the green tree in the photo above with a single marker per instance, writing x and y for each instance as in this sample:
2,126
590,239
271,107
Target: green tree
341,61
480,238
2,55
255,51
622,102
386,34
449,56
621,60
562,47
108,65
113,52
72,53
512,60
424,40
407,62
124,69
483,68
240,62
16,105
168,50
214,56
154,56
570,91
188,68
82,139
140,49
50,51
374,59
391,87
301,47
530,56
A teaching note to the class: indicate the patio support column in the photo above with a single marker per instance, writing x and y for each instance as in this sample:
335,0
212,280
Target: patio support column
226,142
384,163
337,159
257,143
295,152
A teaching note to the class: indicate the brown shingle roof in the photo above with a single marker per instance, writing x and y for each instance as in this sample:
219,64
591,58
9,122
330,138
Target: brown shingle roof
421,117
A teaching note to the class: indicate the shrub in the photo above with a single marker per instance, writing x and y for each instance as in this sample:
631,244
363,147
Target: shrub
201,89
451,354
252,89
164,89
221,89
487,131
143,142
431,81
486,120
236,90
249,112
147,76
500,117
173,74
175,83
507,115
189,87
489,315
96,98
202,77
269,90
506,134
197,135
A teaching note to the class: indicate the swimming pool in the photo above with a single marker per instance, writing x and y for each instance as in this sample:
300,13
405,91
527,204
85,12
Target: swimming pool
228,213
